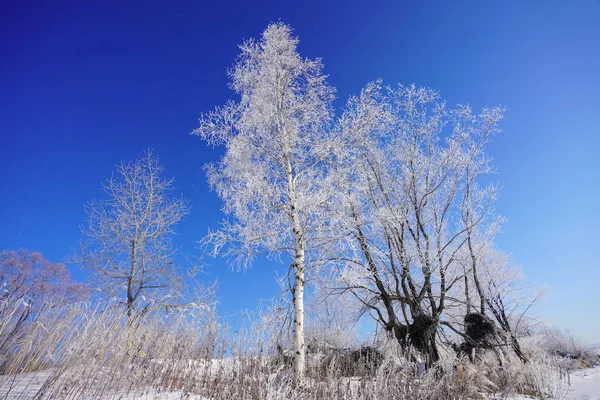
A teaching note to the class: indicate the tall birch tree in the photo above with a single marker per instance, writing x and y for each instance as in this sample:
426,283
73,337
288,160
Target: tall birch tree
273,177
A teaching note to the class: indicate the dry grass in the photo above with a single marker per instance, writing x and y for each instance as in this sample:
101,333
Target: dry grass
92,352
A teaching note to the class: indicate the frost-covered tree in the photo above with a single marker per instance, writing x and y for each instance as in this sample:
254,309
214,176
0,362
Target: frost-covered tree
126,243
408,163
273,178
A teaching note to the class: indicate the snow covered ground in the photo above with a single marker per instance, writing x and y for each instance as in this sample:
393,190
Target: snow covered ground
23,386
26,386
585,385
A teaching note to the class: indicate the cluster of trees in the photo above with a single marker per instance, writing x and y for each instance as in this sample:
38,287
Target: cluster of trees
388,196
385,202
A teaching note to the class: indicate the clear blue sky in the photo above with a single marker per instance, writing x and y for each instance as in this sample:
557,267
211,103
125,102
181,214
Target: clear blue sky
84,85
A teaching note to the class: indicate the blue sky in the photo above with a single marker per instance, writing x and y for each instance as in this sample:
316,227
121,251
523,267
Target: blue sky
84,85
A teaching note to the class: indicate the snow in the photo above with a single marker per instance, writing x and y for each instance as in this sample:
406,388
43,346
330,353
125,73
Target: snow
26,386
585,385
23,386
151,395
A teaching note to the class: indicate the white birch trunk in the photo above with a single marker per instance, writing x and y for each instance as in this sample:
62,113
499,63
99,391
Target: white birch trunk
298,289
298,294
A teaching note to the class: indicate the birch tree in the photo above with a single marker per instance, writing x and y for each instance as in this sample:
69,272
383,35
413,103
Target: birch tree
273,177
126,242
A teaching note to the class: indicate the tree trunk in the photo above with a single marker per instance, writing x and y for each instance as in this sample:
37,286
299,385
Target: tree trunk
482,299
298,298
517,348
130,278
422,334
299,268
467,295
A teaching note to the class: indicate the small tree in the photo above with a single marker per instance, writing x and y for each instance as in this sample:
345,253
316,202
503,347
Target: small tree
272,178
127,241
